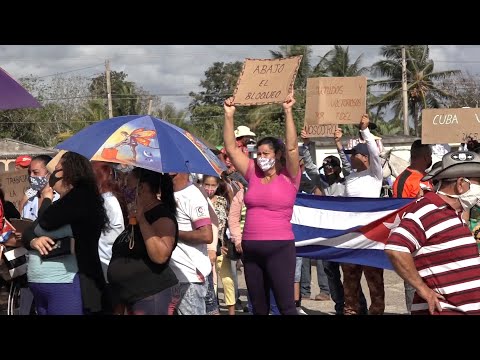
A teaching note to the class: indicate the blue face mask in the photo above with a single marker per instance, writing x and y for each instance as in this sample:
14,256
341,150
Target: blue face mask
37,183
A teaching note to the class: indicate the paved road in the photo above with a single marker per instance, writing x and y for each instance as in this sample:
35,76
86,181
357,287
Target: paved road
394,296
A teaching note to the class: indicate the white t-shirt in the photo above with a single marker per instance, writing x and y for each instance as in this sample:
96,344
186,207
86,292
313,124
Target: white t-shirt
190,259
366,183
30,210
116,222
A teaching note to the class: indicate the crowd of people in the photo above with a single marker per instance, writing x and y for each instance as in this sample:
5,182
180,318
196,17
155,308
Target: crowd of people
110,239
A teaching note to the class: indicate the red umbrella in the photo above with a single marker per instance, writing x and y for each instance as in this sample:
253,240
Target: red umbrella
13,95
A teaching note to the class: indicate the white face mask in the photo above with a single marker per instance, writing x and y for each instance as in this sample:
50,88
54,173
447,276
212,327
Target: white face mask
469,198
265,163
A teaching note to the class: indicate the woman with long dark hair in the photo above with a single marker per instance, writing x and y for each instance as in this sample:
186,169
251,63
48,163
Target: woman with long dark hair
80,207
268,241
139,274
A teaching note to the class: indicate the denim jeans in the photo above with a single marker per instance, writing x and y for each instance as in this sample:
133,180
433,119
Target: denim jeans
409,293
273,305
306,278
298,269
211,303
188,299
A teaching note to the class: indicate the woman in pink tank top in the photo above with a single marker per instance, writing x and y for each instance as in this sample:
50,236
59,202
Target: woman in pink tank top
268,241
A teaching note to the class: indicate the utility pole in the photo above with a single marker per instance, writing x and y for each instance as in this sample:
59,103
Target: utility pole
109,89
406,126
150,107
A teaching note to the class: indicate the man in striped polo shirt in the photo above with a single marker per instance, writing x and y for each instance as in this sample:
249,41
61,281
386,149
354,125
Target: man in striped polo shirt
433,248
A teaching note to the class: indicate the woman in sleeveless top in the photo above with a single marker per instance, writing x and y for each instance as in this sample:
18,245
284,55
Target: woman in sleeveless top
268,241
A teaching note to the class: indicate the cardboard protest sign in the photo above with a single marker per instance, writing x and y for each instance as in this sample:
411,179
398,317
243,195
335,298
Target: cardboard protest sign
266,81
450,125
335,100
320,130
14,185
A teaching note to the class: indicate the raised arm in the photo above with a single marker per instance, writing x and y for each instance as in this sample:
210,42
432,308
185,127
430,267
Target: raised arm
346,166
310,166
237,157
374,158
291,141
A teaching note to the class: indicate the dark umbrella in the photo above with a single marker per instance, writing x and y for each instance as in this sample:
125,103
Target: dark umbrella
13,95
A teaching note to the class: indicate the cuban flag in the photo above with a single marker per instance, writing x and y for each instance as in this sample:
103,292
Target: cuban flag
346,229
7,230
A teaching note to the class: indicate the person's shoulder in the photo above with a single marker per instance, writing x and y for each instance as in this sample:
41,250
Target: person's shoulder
193,192
428,199
110,199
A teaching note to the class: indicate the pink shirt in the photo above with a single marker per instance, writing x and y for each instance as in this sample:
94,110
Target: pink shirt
269,206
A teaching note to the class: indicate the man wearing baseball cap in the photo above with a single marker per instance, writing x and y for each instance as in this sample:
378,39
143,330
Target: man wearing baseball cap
22,162
243,137
364,181
433,248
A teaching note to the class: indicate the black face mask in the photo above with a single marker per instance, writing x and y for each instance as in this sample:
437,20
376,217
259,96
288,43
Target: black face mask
53,179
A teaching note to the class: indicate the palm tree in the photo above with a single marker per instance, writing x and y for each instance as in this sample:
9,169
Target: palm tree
392,127
95,110
336,63
294,50
423,91
169,112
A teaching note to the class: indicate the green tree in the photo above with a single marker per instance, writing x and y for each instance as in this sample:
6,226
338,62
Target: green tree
304,70
206,107
336,63
422,81
219,83
169,112
61,98
127,97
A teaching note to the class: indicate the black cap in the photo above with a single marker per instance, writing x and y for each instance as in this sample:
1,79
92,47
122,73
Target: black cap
332,161
360,148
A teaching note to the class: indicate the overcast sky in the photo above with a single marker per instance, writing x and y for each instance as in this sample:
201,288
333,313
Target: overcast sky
172,71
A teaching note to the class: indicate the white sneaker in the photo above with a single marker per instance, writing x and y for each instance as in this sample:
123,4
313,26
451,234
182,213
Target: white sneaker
300,311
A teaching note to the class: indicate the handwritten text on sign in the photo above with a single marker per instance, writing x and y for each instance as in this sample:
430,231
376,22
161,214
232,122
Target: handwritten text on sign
14,185
266,81
321,130
335,100
450,125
